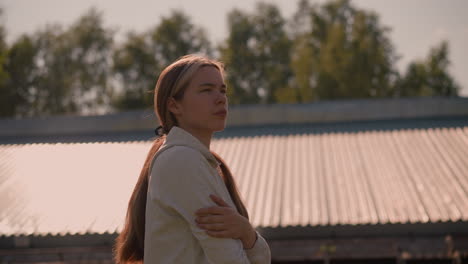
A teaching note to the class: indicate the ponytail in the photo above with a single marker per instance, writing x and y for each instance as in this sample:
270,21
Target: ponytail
231,186
129,246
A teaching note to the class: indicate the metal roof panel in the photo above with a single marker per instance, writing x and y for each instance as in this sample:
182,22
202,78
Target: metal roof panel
302,176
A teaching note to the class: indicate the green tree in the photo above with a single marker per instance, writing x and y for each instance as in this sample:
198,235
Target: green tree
135,69
237,55
6,107
429,77
257,53
3,54
22,72
340,51
176,36
139,60
58,71
52,92
302,52
413,83
439,79
90,54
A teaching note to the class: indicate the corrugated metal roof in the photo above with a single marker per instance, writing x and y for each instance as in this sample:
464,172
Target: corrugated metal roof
60,188
296,176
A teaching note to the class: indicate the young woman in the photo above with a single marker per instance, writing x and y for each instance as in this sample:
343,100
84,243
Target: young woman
185,207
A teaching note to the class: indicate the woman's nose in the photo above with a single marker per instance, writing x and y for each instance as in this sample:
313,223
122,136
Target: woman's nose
221,97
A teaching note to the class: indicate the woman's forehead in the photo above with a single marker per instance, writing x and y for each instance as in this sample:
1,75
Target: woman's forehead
208,74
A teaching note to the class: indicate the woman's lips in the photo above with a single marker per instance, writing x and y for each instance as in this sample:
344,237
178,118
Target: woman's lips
221,113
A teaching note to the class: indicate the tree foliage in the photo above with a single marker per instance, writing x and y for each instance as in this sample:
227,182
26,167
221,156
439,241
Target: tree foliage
58,71
331,50
135,69
73,66
19,91
138,61
7,105
257,54
429,77
340,52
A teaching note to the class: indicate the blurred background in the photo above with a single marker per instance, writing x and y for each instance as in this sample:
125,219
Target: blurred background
347,131
96,57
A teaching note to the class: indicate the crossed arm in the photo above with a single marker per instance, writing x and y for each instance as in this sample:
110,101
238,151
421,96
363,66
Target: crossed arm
224,234
222,221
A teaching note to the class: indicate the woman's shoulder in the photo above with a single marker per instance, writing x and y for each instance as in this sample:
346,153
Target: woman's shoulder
179,164
177,157
179,151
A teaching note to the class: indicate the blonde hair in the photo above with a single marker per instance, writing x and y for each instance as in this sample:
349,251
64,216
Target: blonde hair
173,82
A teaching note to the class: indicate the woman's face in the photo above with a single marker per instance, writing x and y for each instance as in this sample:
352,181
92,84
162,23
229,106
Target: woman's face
204,106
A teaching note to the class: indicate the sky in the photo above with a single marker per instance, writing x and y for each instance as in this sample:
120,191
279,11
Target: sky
417,25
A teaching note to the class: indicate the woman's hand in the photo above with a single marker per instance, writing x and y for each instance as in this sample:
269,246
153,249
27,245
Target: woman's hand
222,221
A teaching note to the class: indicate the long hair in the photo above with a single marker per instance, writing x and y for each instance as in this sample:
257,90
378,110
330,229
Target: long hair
172,83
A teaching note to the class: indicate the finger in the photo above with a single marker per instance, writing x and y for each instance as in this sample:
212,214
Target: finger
214,210
210,219
212,227
218,200
219,234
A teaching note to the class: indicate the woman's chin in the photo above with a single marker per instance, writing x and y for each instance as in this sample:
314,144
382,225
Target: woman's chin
219,127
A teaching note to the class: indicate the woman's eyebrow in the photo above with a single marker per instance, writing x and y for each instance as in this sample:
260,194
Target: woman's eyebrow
211,85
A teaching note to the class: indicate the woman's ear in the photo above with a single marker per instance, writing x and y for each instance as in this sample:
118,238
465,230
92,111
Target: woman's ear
173,106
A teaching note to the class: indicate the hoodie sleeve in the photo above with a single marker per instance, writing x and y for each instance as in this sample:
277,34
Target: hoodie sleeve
260,253
184,184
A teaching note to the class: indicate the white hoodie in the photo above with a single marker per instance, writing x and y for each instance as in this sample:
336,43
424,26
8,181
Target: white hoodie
182,176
